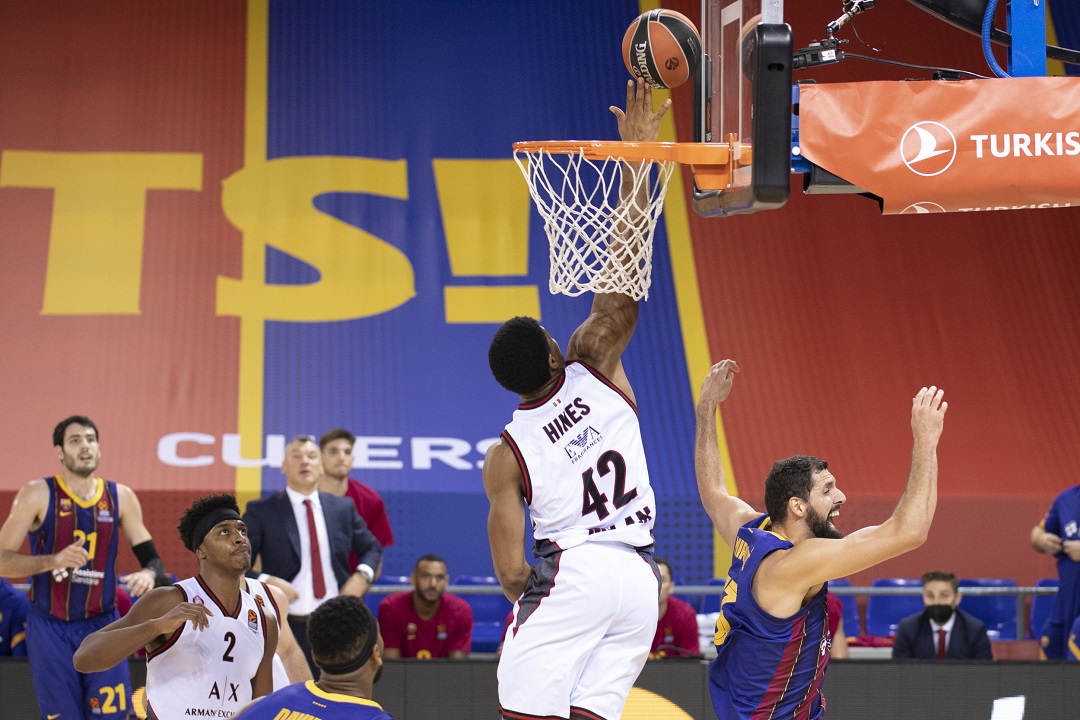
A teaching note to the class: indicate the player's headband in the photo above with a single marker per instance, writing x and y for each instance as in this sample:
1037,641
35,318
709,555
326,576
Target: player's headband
365,652
207,524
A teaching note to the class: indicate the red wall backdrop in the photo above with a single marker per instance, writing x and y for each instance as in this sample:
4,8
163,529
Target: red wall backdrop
838,316
125,78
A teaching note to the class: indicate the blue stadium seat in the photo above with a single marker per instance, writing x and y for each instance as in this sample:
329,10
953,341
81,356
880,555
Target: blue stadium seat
1041,605
489,613
372,599
998,612
711,603
852,626
884,612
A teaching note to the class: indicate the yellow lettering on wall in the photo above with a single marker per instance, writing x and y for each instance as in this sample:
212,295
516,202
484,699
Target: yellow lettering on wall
271,202
485,208
98,220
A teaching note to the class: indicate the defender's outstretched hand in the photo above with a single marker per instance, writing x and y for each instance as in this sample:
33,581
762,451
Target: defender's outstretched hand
928,414
717,385
639,123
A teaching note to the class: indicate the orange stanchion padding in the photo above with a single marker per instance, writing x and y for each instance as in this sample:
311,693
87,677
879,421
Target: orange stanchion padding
949,146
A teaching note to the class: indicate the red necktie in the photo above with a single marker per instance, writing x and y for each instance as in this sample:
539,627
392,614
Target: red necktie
317,582
941,644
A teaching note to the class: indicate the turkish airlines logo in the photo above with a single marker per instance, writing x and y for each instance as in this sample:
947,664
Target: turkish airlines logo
928,148
922,208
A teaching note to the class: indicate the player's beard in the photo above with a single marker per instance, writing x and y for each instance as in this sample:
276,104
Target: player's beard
820,525
75,466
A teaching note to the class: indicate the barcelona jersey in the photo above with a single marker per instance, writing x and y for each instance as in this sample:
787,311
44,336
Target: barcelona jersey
308,700
766,667
90,590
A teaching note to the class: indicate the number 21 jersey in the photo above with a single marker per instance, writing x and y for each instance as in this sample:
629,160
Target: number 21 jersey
207,673
580,452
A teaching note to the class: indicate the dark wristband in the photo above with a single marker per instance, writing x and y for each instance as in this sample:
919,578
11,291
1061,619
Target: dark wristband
147,556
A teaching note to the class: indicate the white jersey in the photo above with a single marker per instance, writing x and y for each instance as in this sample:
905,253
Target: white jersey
207,674
580,452
265,600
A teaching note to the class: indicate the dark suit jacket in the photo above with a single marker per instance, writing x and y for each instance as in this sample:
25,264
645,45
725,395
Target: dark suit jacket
968,641
276,539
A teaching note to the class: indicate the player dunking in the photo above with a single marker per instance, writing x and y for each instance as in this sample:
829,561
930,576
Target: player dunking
72,520
586,613
346,645
772,637
224,659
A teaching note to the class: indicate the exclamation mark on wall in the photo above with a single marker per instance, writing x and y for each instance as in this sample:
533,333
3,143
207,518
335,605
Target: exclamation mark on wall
485,208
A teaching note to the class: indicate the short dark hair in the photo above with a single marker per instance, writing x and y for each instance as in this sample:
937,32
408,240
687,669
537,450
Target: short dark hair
61,428
941,576
338,630
200,509
430,557
518,355
336,434
793,477
662,561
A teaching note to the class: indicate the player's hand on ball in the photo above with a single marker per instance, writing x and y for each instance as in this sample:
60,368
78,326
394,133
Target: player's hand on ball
928,414
717,385
197,613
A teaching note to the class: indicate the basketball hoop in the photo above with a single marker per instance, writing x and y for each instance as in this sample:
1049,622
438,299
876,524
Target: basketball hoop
600,202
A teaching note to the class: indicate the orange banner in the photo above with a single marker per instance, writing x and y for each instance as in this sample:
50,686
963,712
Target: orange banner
949,146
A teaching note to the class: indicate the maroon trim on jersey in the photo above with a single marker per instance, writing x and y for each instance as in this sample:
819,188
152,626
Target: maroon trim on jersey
521,464
167,644
239,601
782,676
100,561
64,526
596,374
270,597
802,710
543,400
514,715
582,712
262,620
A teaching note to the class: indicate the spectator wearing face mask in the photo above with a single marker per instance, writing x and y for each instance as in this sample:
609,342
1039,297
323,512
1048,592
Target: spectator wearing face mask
942,630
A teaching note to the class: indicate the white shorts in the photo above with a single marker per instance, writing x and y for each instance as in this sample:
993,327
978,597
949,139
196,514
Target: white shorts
581,634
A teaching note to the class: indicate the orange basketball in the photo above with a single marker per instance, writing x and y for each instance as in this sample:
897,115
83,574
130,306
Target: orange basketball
663,47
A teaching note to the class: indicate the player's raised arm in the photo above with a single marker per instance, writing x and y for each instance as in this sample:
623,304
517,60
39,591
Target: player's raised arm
817,560
506,519
601,339
155,617
728,513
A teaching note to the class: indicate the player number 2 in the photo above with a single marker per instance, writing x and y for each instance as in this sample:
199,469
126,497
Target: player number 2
592,500
232,643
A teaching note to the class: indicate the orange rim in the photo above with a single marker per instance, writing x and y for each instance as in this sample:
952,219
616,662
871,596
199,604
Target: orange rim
698,154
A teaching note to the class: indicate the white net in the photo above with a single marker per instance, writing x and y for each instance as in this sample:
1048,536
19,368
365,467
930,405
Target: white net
599,217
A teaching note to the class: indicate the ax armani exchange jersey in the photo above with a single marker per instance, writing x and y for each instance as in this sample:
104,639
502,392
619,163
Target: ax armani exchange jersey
580,452
207,674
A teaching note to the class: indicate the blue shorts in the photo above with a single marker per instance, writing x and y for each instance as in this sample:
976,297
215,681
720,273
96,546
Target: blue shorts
1052,642
61,690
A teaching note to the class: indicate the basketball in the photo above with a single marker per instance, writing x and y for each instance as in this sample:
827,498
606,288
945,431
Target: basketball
663,47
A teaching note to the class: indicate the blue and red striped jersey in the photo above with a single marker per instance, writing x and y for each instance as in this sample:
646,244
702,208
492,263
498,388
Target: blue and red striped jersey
766,667
90,590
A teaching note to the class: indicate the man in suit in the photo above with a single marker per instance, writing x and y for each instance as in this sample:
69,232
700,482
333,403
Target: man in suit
942,630
305,537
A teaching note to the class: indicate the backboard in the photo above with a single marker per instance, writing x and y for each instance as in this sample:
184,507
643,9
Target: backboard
742,96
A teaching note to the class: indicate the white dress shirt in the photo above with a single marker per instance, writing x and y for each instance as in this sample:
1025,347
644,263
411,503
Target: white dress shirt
307,601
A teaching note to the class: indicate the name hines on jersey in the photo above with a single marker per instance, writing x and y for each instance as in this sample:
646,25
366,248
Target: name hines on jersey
567,419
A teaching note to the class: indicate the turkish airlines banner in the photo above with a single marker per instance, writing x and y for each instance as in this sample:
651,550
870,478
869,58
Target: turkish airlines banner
949,146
